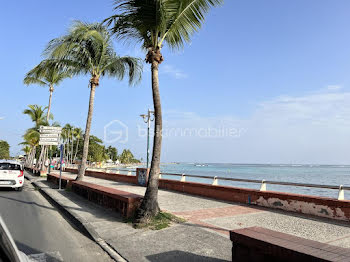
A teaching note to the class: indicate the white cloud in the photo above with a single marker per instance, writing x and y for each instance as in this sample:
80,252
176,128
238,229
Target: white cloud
174,72
313,128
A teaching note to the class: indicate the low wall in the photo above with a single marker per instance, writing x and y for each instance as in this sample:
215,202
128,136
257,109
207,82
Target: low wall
123,202
310,205
108,176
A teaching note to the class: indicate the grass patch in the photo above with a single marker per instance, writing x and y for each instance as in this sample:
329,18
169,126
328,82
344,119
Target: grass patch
161,221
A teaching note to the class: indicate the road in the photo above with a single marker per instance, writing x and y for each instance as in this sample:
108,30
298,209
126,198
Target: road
38,228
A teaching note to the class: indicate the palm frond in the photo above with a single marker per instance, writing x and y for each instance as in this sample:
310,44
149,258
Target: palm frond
184,18
28,80
47,73
88,49
153,22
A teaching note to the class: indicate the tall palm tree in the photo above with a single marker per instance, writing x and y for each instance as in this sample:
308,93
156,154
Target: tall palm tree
46,74
153,23
87,49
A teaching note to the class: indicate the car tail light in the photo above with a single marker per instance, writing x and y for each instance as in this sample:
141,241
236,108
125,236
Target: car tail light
21,174
20,181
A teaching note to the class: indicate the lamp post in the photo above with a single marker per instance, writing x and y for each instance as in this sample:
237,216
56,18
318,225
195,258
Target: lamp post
147,119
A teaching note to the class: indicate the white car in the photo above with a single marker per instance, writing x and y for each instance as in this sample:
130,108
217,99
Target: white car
11,174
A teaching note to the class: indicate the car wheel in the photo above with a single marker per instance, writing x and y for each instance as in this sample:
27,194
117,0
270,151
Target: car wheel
19,188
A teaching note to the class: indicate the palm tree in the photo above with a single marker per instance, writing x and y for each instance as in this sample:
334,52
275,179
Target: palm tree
87,49
152,23
46,74
31,139
68,135
37,115
26,149
78,134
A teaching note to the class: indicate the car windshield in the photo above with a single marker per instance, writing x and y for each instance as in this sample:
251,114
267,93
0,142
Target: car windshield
9,166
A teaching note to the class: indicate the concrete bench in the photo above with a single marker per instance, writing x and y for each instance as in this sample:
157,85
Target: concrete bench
55,178
260,244
123,202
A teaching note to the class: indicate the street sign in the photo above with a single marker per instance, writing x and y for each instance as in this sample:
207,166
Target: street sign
55,135
50,128
44,131
49,135
49,139
48,143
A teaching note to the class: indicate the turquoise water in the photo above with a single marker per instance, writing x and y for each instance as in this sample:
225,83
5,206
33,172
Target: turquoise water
308,174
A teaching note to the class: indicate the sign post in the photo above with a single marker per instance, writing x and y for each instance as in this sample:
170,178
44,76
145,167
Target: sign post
49,160
61,157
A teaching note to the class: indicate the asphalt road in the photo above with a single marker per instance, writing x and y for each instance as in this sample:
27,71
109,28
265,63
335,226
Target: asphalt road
38,228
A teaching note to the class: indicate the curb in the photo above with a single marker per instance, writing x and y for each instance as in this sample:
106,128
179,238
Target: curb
83,225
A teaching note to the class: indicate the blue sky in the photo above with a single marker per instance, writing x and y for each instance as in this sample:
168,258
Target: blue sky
273,73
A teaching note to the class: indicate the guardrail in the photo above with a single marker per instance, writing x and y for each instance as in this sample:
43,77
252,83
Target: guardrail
263,183
215,181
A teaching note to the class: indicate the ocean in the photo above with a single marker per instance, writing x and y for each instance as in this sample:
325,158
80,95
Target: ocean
334,175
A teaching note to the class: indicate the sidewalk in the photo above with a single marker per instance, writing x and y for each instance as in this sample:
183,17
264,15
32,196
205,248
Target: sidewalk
204,237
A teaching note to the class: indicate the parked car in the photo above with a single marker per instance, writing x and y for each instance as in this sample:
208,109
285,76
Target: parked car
11,174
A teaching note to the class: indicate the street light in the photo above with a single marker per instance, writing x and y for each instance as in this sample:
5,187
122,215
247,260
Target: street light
147,119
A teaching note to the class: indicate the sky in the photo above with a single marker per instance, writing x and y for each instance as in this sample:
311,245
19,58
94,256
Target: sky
261,82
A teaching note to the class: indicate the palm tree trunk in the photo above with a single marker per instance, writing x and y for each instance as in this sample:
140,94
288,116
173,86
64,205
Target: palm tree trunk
87,133
149,206
40,157
49,107
72,149
76,150
44,148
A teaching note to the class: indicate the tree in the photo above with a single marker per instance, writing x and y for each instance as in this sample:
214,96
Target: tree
87,49
67,135
112,152
31,137
37,115
46,74
127,157
78,134
96,150
152,23
4,150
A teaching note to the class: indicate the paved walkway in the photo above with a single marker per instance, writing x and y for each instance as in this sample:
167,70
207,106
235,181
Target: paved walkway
219,216
205,235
